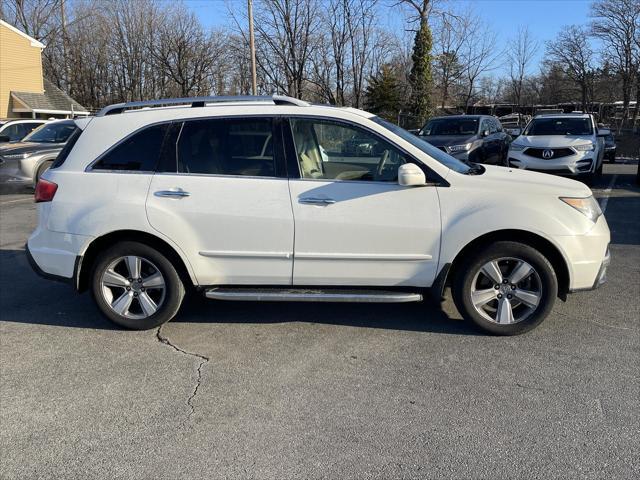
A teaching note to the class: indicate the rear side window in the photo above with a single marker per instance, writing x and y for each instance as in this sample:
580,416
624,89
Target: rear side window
139,152
66,150
230,146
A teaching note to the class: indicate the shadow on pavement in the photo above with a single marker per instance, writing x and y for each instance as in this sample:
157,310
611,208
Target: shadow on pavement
27,298
622,216
15,188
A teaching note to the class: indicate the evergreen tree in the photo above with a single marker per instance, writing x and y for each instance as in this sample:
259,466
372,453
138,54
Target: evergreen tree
383,95
421,77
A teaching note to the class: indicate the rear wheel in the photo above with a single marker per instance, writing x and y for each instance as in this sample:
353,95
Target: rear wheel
507,288
136,286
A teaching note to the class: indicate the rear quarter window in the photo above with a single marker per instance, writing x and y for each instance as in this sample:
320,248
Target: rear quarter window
139,152
66,150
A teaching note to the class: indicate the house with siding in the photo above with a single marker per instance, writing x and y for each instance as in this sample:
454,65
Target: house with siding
24,92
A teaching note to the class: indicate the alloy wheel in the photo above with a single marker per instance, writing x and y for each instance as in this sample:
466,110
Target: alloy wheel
133,287
506,290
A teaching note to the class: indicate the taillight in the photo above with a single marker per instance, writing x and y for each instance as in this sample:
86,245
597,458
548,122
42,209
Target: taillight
45,190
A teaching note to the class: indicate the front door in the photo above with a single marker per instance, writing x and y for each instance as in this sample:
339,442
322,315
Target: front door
354,225
223,198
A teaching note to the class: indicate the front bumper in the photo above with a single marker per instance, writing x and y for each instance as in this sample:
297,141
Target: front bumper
581,163
11,172
587,256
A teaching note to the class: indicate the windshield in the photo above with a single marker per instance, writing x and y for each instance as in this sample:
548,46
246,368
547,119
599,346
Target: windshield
451,126
559,126
51,133
435,153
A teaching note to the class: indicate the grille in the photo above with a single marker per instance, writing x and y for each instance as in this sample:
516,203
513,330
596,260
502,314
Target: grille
560,171
557,152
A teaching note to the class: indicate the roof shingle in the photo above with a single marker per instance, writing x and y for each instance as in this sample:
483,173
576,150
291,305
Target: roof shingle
52,99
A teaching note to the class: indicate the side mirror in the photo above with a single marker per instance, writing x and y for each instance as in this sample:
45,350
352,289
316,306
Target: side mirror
485,133
603,132
4,138
411,175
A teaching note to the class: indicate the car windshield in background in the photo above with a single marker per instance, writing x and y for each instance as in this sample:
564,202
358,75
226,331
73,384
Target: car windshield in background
51,133
451,126
559,126
435,153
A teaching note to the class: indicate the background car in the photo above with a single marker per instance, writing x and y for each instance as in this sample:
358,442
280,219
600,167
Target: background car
25,161
563,144
470,138
514,123
610,148
358,146
14,130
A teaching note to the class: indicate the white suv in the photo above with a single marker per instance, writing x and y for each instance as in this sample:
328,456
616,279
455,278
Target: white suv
565,144
258,198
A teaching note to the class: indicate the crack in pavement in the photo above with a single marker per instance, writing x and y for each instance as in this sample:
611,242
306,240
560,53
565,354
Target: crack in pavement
203,361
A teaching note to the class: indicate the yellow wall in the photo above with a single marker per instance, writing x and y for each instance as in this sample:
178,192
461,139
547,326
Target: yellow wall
20,67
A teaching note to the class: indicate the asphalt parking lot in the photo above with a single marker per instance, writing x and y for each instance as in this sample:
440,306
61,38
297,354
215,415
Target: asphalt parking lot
279,391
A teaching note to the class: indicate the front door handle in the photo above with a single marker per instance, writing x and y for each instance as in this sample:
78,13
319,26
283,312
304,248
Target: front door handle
317,201
172,193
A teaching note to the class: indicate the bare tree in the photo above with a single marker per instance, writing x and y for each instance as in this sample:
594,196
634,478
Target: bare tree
520,53
450,36
573,54
478,56
185,53
616,23
285,32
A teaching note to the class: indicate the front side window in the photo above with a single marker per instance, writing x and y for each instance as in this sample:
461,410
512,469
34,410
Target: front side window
229,146
337,151
14,132
139,152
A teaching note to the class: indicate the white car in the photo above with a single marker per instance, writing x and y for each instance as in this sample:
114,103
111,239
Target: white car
14,130
253,199
564,144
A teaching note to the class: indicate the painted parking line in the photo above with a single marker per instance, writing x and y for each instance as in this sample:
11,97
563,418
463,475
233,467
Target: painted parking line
20,200
604,198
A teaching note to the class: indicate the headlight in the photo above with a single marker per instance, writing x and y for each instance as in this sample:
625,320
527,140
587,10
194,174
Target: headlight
516,147
16,156
589,206
459,148
584,148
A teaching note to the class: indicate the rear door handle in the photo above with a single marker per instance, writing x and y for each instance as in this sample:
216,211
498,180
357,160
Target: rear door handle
317,201
172,193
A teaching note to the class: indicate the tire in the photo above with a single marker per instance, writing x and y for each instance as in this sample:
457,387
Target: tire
41,169
539,288
130,303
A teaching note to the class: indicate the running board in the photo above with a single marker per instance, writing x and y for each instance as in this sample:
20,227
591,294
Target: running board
311,295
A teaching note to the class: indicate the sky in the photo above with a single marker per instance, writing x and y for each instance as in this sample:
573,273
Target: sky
545,18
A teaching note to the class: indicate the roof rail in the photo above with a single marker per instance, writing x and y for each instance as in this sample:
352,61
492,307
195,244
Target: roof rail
200,102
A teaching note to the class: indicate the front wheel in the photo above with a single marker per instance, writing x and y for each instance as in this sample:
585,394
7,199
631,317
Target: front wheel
136,286
507,288
41,169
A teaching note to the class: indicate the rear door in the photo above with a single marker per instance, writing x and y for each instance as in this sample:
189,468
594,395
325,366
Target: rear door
354,224
222,195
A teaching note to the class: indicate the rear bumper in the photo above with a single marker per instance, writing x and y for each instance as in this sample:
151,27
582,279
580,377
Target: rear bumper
56,256
50,276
